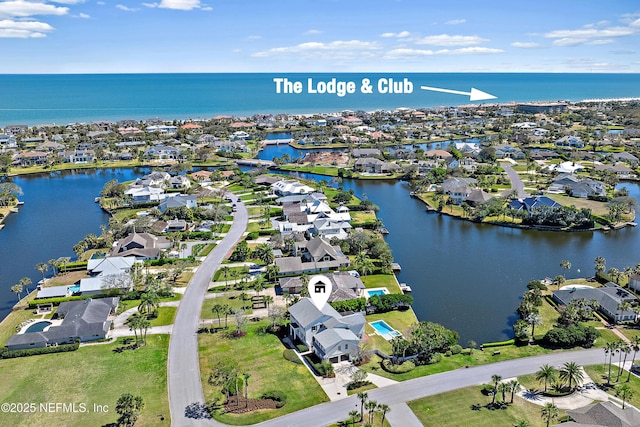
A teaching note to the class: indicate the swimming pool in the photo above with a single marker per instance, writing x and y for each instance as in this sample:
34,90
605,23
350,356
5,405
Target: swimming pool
384,330
376,291
74,289
38,326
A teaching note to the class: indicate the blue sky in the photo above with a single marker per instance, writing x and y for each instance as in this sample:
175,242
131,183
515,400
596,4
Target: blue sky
113,36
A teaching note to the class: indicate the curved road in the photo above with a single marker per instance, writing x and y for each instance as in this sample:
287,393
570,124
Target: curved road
516,182
185,388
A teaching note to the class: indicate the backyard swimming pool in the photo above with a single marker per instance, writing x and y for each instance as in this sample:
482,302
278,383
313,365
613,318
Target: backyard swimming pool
384,330
376,291
38,326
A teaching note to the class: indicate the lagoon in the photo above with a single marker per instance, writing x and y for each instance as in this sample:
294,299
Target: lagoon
466,276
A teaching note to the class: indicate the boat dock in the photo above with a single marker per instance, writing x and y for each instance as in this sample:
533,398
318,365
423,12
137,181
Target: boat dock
396,267
405,288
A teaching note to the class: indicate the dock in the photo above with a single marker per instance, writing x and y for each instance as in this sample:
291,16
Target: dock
405,288
396,267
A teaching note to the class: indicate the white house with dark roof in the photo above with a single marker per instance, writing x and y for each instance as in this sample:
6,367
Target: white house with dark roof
609,299
142,246
178,201
330,335
315,255
344,286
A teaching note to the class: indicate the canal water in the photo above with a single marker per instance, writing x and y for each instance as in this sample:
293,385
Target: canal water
466,276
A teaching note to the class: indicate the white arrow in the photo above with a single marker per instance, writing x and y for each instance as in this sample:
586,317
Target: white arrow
474,95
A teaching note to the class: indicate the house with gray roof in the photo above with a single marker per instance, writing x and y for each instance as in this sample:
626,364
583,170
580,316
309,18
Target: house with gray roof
85,320
609,299
365,152
577,187
330,335
313,256
604,414
142,246
459,189
178,201
373,165
344,286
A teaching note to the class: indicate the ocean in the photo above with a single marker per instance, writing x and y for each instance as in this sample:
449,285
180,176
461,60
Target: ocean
76,98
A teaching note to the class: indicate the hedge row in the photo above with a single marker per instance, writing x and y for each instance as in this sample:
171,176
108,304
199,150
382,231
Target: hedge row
388,302
499,343
56,301
5,353
358,304
398,369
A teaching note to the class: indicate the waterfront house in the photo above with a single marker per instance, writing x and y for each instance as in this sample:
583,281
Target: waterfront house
330,335
145,194
509,152
609,299
85,320
178,201
619,169
530,203
7,142
373,165
314,255
570,141
142,246
577,187
30,158
163,152
287,188
179,182
153,179
458,189
344,286
365,152
80,156
201,176
603,414
110,265
626,157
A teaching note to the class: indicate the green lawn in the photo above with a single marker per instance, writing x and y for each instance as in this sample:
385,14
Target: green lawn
598,374
92,375
381,281
268,368
166,315
359,218
10,323
454,408
233,300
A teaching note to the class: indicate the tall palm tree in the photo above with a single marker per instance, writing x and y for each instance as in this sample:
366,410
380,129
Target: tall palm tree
549,412
384,408
503,388
54,265
571,373
626,349
514,387
245,380
25,281
600,265
363,396
623,306
149,302
268,299
533,319
218,310
558,280
547,374
17,289
371,407
42,267
226,310
495,378
353,414
635,346
566,265
624,392
225,271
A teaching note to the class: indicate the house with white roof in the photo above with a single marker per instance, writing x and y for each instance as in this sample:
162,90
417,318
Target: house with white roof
287,188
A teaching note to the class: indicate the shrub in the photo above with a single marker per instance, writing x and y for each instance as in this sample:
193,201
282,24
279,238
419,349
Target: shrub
456,349
9,354
253,235
398,369
277,396
291,356
56,301
448,353
498,343
388,302
357,384
358,304
435,358
302,348
571,336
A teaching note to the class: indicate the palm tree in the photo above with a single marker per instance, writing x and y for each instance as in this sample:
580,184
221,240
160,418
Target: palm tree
218,310
613,274
558,280
371,406
533,319
226,310
549,412
134,322
566,265
547,374
514,387
304,292
571,372
258,286
496,379
503,388
609,349
353,416
363,396
626,349
635,346
25,281
244,297
54,265
268,299
363,264
624,392
245,379
17,289
600,265
225,271
42,267
148,302
384,408
272,271
623,306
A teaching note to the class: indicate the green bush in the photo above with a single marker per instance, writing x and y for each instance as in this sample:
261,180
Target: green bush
358,304
253,235
357,384
398,369
388,302
56,301
435,358
277,396
302,348
456,349
291,356
571,336
62,348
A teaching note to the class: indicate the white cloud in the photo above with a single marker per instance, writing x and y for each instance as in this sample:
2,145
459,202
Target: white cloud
413,53
126,8
525,45
312,32
588,33
254,37
67,1
568,41
339,49
455,22
23,29
20,8
400,35
180,4
447,40
150,4
600,42
83,16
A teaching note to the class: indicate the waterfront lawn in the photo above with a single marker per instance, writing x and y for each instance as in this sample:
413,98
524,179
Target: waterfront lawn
597,208
360,218
381,281
268,368
92,375
598,374
399,320
454,408
319,170
10,324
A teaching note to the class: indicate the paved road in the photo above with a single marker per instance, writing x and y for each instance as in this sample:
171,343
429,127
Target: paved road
516,182
396,395
185,388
